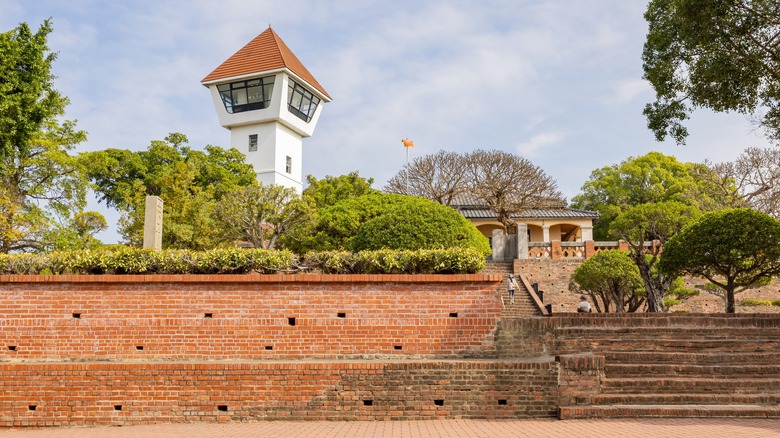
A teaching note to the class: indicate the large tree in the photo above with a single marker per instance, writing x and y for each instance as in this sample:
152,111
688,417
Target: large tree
611,280
718,54
752,180
651,178
440,177
259,214
654,223
331,189
509,184
190,182
39,180
735,249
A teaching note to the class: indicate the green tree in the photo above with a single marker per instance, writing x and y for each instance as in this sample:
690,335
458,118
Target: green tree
190,182
419,223
77,233
39,180
651,178
260,214
331,189
611,280
717,54
655,224
735,249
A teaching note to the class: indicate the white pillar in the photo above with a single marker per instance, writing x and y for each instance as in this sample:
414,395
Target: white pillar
153,217
545,233
587,233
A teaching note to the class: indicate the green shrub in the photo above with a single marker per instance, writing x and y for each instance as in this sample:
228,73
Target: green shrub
755,302
776,303
125,260
419,224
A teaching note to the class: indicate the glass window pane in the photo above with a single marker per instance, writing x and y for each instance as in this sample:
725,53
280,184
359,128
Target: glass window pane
223,87
296,100
254,94
239,97
268,91
253,83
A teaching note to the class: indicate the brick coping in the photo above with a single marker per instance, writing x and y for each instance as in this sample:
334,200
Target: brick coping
254,278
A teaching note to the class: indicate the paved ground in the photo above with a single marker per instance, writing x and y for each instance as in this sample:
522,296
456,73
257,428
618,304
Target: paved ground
687,428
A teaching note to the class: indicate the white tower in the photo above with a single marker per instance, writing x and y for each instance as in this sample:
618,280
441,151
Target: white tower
269,101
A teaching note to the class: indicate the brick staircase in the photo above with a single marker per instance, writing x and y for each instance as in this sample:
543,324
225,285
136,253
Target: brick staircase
524,304
678,366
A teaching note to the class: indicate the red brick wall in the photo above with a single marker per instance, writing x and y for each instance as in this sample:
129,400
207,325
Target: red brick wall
137,393
164,317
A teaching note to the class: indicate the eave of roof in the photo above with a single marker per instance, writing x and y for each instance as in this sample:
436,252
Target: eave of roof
531,214
266,52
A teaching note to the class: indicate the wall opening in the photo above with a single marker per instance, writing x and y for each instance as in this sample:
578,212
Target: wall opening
117,407
342,314
139,347
502,402
77,316
453,314
222,408
398,347
269,347
368,403
438,402
208,315
12,347
32,407
291,321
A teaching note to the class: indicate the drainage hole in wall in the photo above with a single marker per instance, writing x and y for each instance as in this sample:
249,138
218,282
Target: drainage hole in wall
398,347
12,347
222,408
139,347
291,321
341,315
368,403
453,314
208,315
32,407
438,402
269,347
502,402
77,315
117,407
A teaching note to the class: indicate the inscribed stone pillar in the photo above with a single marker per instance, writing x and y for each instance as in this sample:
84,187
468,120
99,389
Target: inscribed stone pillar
153,218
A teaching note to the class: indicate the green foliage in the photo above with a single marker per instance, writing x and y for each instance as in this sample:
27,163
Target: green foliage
753,302
419,224
651,178
332,189
678,293
126,260
612,280
733,249
190,183
39,180
717,54
259,214
430,261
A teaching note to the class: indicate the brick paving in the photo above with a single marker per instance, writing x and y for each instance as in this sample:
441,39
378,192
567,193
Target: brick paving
610,428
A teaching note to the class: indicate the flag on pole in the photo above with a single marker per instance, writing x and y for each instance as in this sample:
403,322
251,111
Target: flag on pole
407,143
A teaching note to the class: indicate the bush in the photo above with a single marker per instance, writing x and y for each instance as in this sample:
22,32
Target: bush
755,302
776,303
125,260
419,224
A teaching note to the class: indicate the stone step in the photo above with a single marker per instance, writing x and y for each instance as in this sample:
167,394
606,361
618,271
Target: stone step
764,398
628,357
673,370
652,385
668,411
699,331
571,346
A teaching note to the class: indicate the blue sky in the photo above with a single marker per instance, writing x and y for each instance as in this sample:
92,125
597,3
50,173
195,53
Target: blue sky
556,81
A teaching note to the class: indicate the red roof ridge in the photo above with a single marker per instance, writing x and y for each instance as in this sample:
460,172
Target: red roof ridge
265,52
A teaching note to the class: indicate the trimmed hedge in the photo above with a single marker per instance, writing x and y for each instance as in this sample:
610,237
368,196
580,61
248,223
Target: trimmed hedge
125,260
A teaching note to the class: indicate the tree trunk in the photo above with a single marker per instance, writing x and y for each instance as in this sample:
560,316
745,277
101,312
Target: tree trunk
731,306
655,286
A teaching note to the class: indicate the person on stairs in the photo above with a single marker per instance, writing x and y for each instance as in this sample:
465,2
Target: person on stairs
511,285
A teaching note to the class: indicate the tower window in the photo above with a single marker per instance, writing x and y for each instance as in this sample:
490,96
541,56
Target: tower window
288,167
247,95
301,101
253,143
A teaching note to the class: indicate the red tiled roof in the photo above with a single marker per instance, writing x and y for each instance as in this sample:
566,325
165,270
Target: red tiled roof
266,52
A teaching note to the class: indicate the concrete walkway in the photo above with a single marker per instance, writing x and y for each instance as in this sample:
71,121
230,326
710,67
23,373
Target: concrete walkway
683,428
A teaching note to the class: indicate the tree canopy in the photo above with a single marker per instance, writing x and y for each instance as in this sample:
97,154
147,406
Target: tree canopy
40,182
505,183
190,182
735,249
718,54
331,189
612,281
653,177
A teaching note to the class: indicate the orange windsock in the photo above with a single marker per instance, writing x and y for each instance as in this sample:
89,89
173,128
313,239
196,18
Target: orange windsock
407,143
